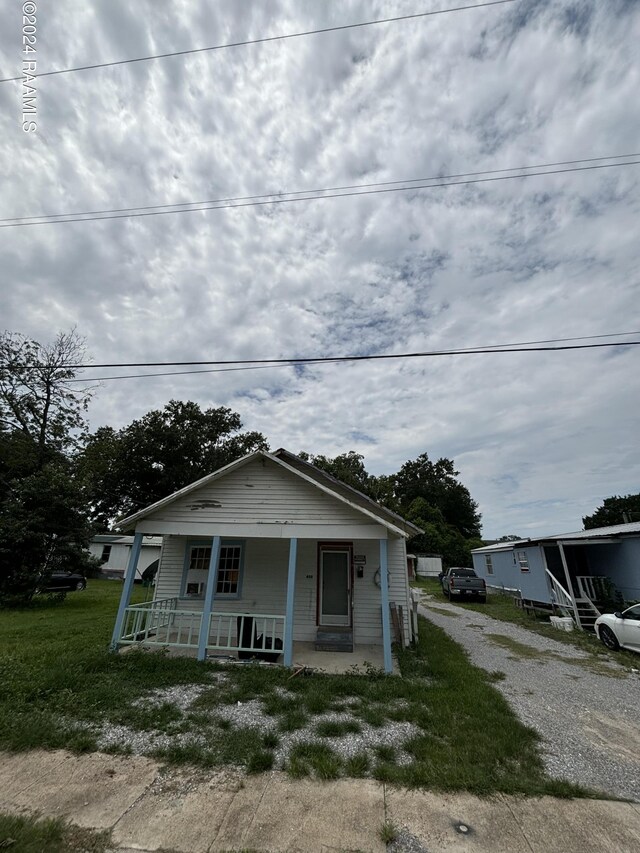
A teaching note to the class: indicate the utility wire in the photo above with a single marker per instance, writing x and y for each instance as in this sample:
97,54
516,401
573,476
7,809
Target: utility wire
322,197
282,194
521,346
265,39
335,360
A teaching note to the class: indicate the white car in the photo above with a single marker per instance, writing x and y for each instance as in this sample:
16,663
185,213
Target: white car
620,629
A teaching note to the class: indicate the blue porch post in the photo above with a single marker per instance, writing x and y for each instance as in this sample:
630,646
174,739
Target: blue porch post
291,590
207,607
384,590
125,598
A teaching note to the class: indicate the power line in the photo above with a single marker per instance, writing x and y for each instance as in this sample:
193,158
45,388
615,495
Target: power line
521,346
264,40
281,194
337,359
328,195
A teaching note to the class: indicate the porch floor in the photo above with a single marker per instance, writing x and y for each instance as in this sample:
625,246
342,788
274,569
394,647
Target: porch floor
304,654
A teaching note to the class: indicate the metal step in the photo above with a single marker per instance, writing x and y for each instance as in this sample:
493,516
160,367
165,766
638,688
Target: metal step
334,640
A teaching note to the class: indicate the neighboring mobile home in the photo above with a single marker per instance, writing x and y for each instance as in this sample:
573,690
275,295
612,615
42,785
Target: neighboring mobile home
583,572
267,552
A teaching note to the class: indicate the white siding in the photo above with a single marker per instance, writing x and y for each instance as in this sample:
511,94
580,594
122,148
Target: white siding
264,583
119,557
260,492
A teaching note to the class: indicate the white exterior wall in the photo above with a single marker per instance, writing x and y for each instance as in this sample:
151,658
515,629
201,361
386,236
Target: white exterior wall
264,583
261,493
119,557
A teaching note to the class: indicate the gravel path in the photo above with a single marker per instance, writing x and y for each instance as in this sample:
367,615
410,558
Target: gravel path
588,712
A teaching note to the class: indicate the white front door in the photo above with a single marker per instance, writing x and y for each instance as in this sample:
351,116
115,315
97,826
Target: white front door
335,588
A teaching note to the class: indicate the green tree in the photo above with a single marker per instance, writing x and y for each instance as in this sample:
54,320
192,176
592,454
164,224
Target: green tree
154,456
437,483
42,520
347,467
426,493
614,510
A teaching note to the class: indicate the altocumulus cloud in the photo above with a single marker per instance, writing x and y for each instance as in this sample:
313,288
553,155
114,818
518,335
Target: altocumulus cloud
539,440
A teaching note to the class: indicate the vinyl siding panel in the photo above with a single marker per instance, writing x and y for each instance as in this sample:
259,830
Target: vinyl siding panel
260,492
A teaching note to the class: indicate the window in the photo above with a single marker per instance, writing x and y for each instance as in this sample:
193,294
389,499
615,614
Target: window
522,560
488,562
106,553
229,570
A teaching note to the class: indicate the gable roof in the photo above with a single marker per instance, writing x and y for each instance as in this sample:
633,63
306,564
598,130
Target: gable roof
305,471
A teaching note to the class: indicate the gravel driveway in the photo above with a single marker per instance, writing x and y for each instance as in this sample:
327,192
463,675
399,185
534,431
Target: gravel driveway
586,709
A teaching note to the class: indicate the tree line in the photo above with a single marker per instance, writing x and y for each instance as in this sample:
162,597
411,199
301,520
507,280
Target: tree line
60,484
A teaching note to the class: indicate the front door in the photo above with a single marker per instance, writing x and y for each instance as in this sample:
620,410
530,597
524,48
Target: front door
335,587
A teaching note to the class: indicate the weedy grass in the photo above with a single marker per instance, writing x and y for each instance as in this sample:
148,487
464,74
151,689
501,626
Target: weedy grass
32,835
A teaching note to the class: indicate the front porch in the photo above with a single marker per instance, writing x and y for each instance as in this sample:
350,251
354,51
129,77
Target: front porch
293,602
171,625
581,578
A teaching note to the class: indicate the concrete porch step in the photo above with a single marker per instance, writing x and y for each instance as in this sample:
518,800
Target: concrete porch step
334,639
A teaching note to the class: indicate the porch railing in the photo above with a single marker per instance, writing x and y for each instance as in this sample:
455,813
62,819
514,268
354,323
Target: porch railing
227,632
165,623
562,597
591,586
161,622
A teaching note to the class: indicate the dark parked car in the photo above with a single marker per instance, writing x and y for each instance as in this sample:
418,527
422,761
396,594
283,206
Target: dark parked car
64,582
463,583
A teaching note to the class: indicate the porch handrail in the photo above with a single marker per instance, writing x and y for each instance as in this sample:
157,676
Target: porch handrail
563,598
147,617
154,601
228,637
164,623
587,586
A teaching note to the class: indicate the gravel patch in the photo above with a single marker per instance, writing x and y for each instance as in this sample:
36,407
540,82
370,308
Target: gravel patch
405,842
589,721
251,715
353,743
182,696
144,742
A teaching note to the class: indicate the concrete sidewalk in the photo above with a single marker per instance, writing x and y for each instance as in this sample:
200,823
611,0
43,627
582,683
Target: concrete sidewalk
202,812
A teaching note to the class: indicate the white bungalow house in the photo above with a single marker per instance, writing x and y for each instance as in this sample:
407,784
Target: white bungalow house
267,556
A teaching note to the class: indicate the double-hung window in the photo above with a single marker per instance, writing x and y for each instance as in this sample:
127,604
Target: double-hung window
522,560
229,575
488,564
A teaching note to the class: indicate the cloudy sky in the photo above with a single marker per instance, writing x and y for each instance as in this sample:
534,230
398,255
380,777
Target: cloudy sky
539,439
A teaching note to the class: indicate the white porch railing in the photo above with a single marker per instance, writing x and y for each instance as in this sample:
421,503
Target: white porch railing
591,586
161,622
227,632
165,623
563,599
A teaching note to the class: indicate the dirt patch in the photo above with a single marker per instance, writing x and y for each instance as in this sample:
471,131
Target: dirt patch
522,651
613,734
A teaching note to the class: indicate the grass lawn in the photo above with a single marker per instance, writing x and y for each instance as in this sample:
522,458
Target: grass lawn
501,607
441,726
29,835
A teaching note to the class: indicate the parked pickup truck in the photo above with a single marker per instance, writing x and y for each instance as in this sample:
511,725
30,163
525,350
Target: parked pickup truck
463,583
